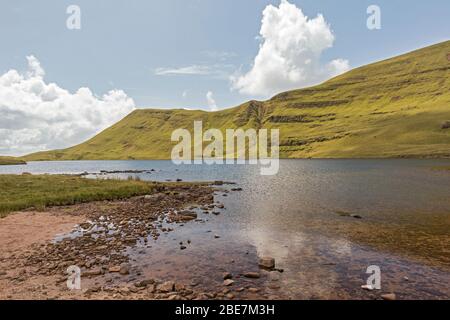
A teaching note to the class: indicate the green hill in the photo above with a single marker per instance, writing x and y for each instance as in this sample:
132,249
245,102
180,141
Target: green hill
10,161
393,108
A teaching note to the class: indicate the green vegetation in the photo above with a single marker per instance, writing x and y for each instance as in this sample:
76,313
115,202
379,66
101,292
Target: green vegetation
394,108
10,161
20,192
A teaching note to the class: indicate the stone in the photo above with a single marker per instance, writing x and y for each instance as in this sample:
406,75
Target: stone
167,286
228,282
445,125
145,283
179,287
94,272
227,275
252,275
216,236
267,262
124,270
114,269
253,290
389,296
151,288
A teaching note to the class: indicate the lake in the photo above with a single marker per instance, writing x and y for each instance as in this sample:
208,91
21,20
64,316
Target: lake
324,221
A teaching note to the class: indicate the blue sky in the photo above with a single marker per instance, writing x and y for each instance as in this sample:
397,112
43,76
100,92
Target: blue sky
59,87
122,43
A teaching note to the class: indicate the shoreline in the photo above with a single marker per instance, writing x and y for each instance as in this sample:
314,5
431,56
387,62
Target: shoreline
37,269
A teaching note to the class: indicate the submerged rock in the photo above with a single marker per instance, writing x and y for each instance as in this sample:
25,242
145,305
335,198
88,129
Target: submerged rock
267,262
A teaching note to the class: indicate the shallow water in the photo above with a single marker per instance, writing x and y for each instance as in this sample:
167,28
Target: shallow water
302,218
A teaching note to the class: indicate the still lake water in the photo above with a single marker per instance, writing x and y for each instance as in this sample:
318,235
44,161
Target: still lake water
302,218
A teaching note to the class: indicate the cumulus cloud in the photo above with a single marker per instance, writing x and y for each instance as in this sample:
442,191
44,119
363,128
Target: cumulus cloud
211,102
37,116
290,53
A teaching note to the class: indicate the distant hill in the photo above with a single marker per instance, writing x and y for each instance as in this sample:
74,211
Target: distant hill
393,108
10,161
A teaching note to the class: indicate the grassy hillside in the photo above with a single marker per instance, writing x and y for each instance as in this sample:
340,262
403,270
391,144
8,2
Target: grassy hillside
10,161
393,108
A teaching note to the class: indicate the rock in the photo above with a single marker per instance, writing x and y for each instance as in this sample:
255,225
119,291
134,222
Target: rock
151,288
228,282
267,262
227,275
124,270
389,296
252,275
167,286
182,247
94,272
179,287
114,269
155,197
216,236
356,216
236,189
188,216
253,290
218,183
230,296
445,125
144,283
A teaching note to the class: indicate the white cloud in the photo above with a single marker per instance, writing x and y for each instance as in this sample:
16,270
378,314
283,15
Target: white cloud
36,115
211,102
189,70
289,56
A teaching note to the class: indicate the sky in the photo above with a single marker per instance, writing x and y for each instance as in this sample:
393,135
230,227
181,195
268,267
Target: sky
60,86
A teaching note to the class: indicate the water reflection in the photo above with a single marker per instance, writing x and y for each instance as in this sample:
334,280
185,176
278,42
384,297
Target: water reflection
303,218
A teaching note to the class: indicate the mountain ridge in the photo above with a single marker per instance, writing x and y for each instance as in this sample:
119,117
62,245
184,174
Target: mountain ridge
387,109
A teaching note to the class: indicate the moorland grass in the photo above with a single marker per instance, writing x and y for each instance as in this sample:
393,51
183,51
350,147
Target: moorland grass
19,192
389,109
4,161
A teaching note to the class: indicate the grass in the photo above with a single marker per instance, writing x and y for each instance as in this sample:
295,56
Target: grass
11,161
393,108
19,192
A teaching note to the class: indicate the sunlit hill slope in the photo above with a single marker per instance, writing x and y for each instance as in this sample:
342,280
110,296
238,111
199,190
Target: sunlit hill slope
393,108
